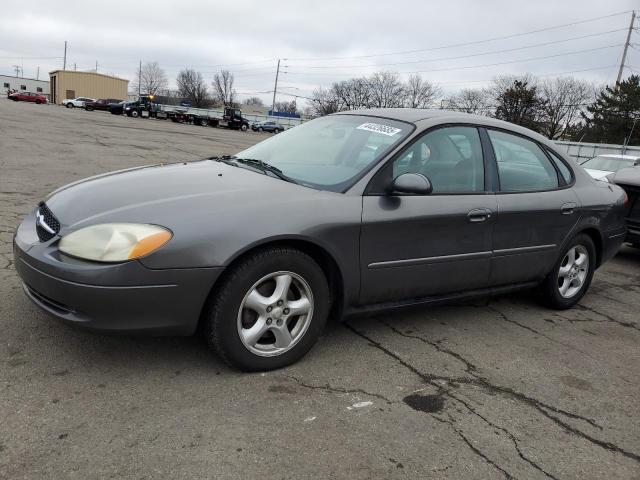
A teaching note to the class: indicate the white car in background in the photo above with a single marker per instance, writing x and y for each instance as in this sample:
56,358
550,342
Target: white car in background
77,102
604,167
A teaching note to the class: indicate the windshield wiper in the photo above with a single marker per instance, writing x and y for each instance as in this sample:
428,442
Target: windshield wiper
259,164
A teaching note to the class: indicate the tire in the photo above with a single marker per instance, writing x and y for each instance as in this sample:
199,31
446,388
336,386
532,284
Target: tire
70,105
244,128
38,102
276,131
260,129
578,278
227,313
204,122
134,113
88,109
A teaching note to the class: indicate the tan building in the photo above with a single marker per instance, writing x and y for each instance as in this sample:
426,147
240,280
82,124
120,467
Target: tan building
72,84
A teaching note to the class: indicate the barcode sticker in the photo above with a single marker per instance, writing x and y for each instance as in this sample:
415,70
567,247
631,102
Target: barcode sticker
378,128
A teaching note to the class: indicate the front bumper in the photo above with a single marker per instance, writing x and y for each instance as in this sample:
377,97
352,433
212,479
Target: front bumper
125,298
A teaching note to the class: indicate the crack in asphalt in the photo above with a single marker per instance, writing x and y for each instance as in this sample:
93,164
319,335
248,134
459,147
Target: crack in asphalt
506,318
331,389
608,318
483,382
451,422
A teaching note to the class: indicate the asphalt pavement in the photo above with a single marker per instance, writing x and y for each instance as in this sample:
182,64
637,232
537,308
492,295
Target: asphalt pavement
500,388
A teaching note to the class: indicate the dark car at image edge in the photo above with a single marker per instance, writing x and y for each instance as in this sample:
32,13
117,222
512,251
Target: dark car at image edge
356,211
629,179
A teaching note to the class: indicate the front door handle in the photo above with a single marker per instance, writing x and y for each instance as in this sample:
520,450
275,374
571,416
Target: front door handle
568,208
479,215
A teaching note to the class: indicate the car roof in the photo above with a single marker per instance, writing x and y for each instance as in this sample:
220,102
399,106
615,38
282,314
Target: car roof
430,115
619,157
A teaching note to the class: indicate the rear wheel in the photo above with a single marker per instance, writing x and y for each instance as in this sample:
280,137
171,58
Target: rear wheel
269,311
70,105
38,102
89,108
571,275
243,128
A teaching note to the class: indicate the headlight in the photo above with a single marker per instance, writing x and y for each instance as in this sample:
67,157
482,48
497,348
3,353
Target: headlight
114,242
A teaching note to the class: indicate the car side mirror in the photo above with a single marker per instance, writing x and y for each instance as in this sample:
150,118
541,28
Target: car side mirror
411,183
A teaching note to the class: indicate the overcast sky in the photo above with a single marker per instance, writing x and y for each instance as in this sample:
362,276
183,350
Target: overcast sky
323,41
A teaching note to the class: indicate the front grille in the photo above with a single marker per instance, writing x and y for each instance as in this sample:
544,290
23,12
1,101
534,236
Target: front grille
47,225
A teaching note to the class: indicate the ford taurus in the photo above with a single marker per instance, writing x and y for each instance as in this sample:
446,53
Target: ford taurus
355,211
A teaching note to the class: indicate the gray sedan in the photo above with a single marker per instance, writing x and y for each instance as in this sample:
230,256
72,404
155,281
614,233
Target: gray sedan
357,211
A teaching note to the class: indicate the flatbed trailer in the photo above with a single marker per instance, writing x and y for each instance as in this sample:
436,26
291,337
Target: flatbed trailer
228,118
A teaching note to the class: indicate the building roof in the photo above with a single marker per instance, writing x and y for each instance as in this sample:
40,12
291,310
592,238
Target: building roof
24,78
77,72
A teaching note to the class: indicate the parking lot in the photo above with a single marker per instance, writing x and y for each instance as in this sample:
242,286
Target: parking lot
500,388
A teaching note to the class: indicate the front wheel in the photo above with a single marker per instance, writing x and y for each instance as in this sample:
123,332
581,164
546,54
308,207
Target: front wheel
269,311
70,105
572,274
134,114
243,128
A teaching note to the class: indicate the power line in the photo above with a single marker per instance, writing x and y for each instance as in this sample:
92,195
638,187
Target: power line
466,67
465,44
554,42
554,74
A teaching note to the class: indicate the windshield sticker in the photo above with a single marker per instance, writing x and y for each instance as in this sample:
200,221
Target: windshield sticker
378,128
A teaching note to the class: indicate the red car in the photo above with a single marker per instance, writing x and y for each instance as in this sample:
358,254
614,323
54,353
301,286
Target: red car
28,97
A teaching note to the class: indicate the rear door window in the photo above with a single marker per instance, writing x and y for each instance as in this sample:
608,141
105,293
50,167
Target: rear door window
522,165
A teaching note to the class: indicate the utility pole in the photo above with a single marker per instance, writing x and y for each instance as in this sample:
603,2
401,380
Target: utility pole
75,66
626,47
96,66
17,69
38,74
64,65
139,77
275,89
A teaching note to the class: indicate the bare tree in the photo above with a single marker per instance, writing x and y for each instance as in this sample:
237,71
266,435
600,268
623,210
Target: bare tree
223,88
255,101
420,93
353,93
287,107
563,99
386,90
152,78
191,85
470,101
324,102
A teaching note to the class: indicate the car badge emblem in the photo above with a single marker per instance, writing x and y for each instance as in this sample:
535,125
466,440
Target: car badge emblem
40,221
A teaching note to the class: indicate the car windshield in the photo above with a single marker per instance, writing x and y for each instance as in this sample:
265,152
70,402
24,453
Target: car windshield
330,153
610,164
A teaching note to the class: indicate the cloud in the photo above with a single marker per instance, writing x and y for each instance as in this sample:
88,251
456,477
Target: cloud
205,35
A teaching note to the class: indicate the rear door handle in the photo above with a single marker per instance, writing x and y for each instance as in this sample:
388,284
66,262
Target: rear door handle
568,208
479,215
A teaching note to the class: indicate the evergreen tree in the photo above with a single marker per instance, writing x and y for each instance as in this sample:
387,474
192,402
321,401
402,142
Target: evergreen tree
518,102
610,119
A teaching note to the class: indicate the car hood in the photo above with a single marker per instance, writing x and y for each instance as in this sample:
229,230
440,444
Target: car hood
162,194
628,176
598,174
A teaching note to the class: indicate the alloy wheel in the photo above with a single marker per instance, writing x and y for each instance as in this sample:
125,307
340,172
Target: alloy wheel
573,271
275,313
